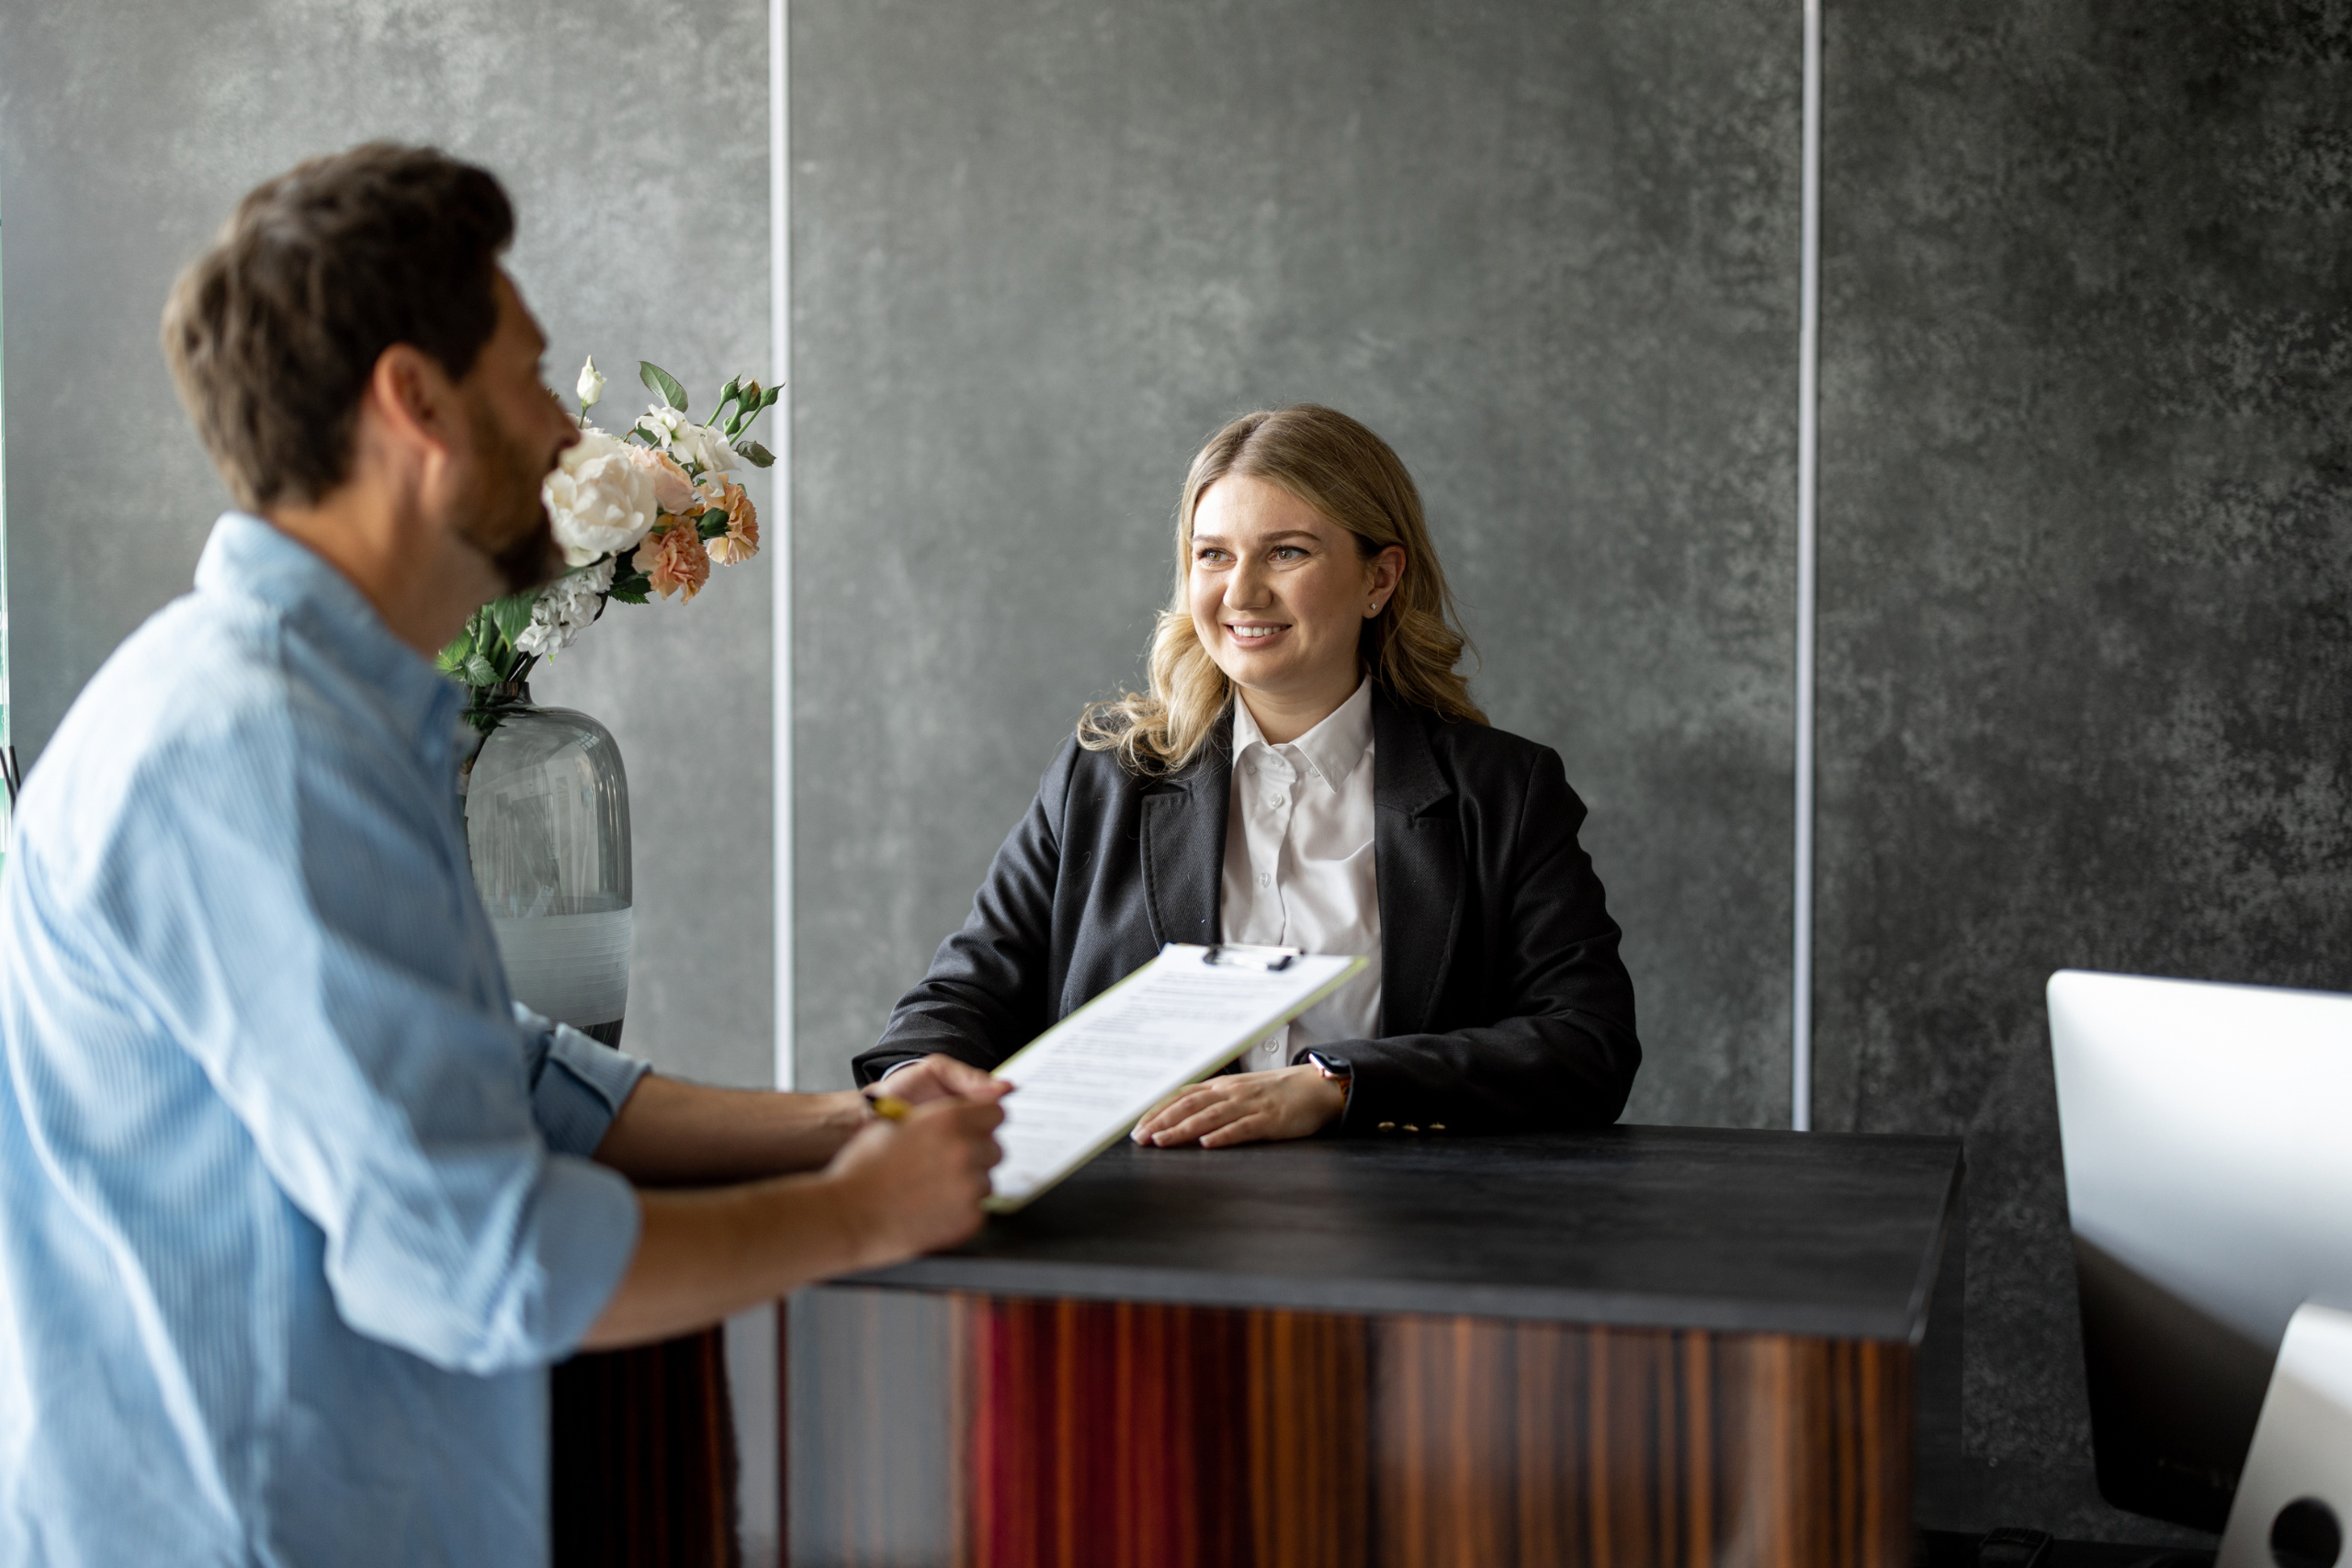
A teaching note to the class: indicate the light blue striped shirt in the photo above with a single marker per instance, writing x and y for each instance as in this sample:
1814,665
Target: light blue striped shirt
294,1210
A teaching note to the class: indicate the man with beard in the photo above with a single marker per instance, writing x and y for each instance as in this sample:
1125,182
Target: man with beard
296,1204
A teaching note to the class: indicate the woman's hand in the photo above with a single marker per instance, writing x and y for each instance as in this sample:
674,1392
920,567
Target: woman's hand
1245,1108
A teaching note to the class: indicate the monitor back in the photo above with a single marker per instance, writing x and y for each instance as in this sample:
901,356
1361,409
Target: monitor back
2208,1137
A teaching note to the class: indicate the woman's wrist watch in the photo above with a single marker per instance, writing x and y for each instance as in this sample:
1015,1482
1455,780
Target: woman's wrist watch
1335,1070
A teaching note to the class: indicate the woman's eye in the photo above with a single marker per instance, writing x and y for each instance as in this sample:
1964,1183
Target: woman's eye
1288,552
1210,557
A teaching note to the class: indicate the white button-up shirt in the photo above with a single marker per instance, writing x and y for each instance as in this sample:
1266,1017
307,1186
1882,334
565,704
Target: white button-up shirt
1298,863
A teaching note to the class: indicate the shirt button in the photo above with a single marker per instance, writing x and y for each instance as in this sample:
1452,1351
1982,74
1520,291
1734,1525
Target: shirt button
1274,800
1265,879
1271,1044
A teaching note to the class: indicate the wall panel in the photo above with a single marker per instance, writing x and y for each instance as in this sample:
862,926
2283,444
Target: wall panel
2086,588
1042,248
633,138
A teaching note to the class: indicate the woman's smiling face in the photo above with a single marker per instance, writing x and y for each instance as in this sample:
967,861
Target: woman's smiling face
1279,594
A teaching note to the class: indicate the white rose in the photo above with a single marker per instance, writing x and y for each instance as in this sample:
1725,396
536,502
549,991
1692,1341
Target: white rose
695,446
663,423
599,500
707,448
592,386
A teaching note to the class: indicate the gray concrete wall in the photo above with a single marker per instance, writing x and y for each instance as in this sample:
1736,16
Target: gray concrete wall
2086,561
1041,250
634,141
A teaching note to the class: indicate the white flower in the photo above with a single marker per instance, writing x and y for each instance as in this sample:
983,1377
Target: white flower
707,448
600,501
564,607
662,423
592,386
700,448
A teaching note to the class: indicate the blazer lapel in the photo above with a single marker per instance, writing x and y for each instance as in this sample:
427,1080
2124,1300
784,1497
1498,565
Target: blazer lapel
1183,843
1418,867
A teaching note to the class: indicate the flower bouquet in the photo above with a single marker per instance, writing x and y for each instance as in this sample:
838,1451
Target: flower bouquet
639,514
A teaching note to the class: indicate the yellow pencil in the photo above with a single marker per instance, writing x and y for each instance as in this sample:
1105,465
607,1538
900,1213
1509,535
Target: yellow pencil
889,1107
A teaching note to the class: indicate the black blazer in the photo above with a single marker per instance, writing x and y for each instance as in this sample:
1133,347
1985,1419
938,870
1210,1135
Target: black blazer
1503,1002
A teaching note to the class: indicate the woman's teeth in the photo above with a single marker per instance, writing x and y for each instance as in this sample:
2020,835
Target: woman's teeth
1250,634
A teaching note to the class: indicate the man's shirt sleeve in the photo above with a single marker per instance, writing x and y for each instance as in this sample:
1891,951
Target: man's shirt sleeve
578,1085
292,917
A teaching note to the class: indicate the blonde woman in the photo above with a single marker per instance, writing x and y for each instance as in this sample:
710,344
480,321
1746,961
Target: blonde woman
1307,769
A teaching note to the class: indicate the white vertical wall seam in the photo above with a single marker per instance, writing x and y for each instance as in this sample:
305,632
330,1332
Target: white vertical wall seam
779,539
1809,472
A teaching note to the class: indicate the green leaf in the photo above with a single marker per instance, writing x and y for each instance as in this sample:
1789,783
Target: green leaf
711,524
756,455
479,671
452,660
512,614
630,586
661,384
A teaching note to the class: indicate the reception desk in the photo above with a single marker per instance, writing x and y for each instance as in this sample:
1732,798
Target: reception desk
1636,1345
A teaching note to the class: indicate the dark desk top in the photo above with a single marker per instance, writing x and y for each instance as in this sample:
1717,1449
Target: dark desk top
1822,1233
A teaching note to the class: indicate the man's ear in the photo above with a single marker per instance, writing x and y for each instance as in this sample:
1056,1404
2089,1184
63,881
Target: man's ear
413,401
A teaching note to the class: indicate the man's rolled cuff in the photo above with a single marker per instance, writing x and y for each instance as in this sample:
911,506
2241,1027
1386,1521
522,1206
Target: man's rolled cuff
578,1085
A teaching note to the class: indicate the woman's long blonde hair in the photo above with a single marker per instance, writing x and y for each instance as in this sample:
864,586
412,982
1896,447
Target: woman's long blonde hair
1347,473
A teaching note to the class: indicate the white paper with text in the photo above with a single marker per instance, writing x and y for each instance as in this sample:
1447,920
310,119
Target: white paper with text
1089,1079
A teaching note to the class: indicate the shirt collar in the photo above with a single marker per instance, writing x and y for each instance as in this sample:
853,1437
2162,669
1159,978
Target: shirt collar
248,557
1333,748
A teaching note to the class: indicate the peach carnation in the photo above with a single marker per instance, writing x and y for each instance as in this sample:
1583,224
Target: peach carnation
674,559
741,540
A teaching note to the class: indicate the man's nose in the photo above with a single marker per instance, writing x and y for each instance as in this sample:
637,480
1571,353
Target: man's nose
569,428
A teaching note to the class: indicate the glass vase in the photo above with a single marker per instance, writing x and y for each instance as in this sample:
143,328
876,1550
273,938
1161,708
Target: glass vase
546,805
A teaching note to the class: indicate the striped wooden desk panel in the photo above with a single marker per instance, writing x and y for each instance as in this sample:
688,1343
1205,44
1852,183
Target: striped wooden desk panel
1128,1435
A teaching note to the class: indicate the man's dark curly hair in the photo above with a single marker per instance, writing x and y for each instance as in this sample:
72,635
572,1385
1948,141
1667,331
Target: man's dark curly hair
273,332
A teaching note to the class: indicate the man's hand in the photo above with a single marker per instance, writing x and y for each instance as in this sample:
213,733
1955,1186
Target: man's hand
941,1077
893,1190
907,1187
1245,1108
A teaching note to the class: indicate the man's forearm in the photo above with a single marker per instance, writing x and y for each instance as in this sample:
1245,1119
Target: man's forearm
899,1188
703,1255
674,1134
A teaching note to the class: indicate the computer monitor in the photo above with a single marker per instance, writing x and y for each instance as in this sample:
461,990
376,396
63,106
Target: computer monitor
2208,1137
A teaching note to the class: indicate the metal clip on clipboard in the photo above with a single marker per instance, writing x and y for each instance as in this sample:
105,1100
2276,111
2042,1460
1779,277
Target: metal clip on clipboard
1273,959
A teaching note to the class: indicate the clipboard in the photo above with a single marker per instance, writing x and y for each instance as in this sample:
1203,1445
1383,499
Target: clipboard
1090,1078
